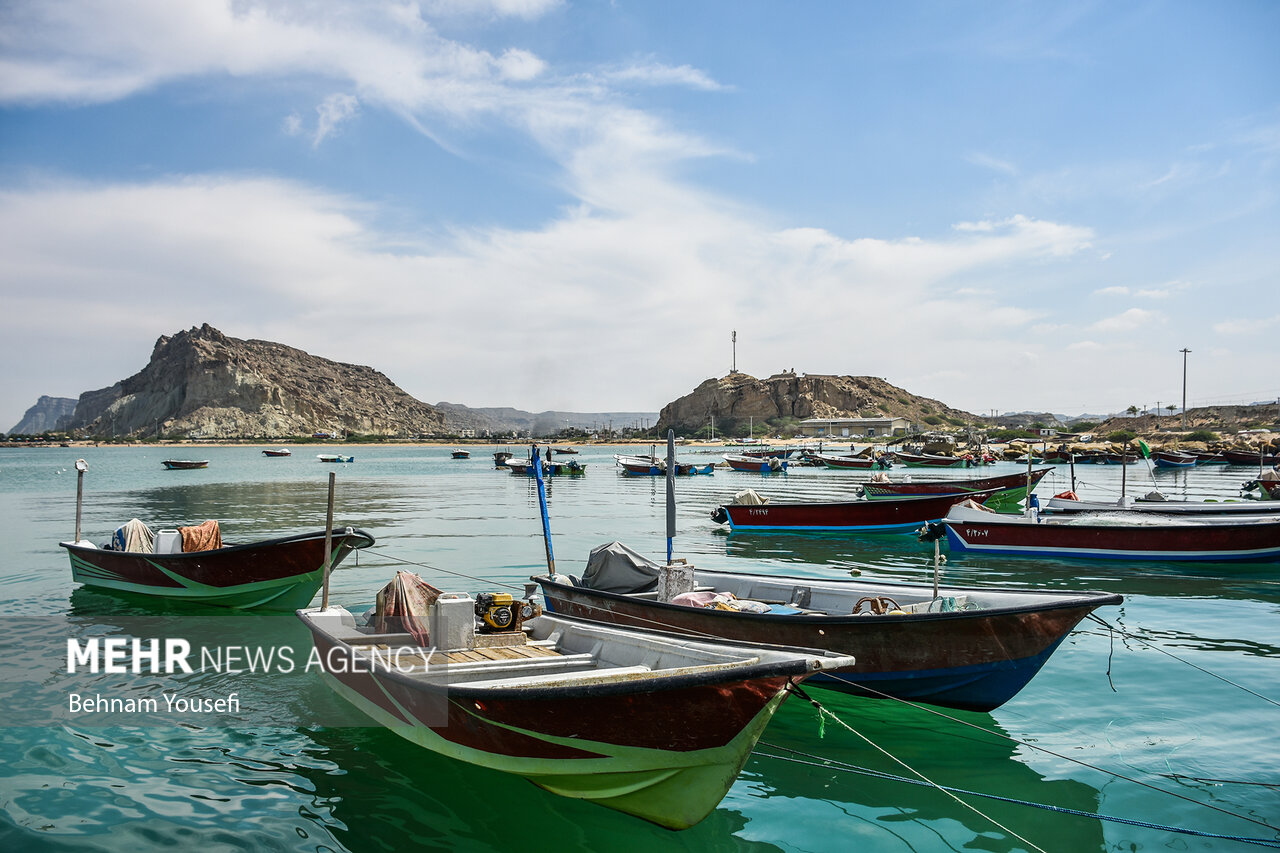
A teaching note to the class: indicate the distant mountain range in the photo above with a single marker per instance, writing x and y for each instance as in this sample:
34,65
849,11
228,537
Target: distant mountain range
504,420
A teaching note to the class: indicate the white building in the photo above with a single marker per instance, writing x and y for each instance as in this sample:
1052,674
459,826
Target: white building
853,427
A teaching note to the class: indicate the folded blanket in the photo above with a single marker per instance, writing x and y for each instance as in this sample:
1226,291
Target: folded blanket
202,537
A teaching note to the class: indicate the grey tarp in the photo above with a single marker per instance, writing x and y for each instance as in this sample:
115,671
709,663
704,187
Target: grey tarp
616,568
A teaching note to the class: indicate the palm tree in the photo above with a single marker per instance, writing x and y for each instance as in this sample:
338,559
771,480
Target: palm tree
1132,410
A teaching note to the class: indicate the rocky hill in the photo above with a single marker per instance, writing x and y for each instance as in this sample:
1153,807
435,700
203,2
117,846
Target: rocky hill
201,383
44,415
735,398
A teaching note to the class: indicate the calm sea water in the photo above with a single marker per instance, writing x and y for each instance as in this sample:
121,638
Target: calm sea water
1172,722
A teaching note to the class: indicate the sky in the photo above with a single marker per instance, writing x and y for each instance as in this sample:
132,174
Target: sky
573,205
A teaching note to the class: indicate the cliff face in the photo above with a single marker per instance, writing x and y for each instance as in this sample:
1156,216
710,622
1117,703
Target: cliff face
44,415
202,383
737,397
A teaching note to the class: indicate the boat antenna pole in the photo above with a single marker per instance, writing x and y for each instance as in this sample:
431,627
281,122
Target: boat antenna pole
1027,497
542,507
671,490
81,467
328,543
1124,471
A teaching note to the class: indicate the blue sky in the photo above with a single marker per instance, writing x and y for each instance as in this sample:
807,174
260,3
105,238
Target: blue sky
571,205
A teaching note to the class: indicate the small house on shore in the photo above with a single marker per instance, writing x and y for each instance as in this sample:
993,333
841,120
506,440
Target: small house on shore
853,427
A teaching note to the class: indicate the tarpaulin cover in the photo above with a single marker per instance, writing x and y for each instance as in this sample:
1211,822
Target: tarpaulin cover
402,606
616,568
202,537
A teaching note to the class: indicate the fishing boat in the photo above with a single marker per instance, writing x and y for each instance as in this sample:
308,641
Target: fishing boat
653,466
769,453
649,724
184,464
500,458
953,646
1173,459
930,460
1009,487
1114,536
564,451
1060,505
461,454
283,451
334,457
1251,457
273,574
1209,457
890,515
1267,486
845,462
756,464
524,468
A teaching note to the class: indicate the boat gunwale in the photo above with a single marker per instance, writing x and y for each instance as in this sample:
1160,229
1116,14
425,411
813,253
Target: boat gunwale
229,549
1088,598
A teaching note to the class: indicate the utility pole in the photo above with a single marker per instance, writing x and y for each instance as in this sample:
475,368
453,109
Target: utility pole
1184,352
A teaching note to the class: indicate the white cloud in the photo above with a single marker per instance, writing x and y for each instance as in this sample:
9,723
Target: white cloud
1247,327
657,74
516,64
333,111
995,164
1114,290
1128,321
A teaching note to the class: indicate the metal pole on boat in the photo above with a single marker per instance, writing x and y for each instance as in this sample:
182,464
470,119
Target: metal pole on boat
328,543
671,490
542,508
937,565
1027,497
1072,457
81,467
1124,470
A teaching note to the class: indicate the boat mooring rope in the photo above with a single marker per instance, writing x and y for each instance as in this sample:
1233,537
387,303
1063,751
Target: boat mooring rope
811,760
405,562
870,690
924,780
1154,647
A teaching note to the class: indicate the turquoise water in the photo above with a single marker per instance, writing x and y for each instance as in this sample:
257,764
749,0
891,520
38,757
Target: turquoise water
1176,718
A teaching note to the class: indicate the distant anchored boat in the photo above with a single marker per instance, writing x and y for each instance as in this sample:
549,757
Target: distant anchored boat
334,457
281,452
183,464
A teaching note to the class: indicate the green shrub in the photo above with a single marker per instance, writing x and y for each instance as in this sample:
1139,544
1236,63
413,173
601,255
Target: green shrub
1203,435
1122,435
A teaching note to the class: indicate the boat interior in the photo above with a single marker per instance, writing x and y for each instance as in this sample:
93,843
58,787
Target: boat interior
549,652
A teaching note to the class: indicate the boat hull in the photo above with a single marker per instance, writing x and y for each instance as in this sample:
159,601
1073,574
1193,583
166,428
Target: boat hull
184,465
901,515
1009,488
272,575
1204,542
971,660
918,460
665,750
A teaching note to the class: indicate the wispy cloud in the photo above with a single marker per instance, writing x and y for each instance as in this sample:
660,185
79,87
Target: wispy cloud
1250,326
1128,321
995,164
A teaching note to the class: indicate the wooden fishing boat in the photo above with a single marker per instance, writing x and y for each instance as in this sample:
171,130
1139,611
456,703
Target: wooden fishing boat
930,460
890,515
1173,459
1008,487
283,451
1209,457
461,454
1268,488
769,453
653,725
184,464
756,464
654,466
1115,536
1250,457
961,648
564,451
1058,505
500,458
274,574
334,457
523,468
845,462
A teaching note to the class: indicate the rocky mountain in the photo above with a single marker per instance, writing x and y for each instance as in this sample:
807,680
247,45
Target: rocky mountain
504,421
202,383
735,398
44,415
